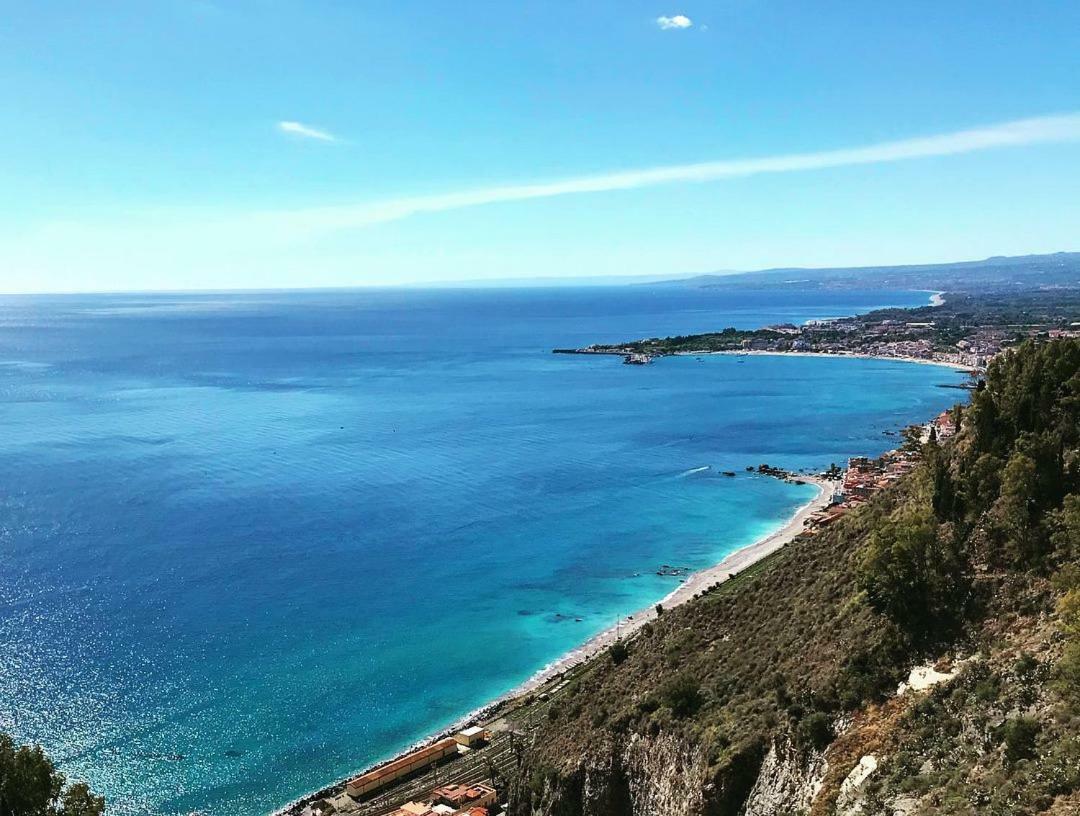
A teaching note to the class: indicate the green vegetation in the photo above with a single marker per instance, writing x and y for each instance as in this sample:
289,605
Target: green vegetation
973,555
1067,675
682,694
914,572
30,785
1019,736
814,731
618,652
730,339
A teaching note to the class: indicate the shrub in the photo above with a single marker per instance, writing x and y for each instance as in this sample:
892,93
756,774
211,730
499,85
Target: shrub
1019,735
618,652
648,705
1067,672
814,731
1067,675
682,694
1025,664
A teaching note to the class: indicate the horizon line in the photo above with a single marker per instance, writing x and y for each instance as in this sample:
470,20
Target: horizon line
554,280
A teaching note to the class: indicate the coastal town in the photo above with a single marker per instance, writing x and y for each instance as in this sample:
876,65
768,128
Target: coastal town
866,476
947,332
465,772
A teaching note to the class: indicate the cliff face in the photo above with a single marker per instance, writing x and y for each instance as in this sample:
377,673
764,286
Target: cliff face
920,656
787,781
664,775
642,774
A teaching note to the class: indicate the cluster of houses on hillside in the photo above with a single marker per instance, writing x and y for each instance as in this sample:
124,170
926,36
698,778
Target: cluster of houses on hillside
865,476
981,345
886,338
478,799
892,337
1072,332
453,800
968,341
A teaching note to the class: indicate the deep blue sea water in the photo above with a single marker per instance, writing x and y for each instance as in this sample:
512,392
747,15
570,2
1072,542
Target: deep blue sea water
251,542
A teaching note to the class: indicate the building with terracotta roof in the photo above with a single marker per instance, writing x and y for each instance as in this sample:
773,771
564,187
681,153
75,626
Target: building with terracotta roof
944,426
463,797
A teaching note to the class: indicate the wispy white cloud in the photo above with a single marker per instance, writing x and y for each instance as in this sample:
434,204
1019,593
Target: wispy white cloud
219,240
676,21
306,131
1065,128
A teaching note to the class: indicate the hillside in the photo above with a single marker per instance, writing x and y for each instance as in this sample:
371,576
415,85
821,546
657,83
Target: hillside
777,692
998,274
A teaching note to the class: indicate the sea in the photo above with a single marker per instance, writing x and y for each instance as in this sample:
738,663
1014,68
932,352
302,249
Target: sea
252,542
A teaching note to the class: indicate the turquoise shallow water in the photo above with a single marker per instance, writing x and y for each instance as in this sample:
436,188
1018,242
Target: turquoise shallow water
251,542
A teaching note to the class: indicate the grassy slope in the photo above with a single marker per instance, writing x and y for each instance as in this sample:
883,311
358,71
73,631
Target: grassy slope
789,637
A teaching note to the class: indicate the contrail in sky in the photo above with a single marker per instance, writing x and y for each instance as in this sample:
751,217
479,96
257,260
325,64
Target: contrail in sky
1041,130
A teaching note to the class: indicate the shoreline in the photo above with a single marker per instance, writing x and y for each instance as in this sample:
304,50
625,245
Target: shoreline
695,582
835,355
628,625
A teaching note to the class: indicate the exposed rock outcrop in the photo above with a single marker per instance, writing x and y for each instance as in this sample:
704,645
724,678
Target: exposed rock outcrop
787,782
660,774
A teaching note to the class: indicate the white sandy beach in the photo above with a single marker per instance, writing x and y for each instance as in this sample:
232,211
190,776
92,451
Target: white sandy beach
836,355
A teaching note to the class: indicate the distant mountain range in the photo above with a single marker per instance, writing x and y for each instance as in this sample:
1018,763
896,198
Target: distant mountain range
1059,269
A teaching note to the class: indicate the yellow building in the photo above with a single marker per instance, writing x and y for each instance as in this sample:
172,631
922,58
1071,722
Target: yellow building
471,737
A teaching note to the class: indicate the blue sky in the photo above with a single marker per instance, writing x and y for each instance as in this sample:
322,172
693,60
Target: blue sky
260,143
